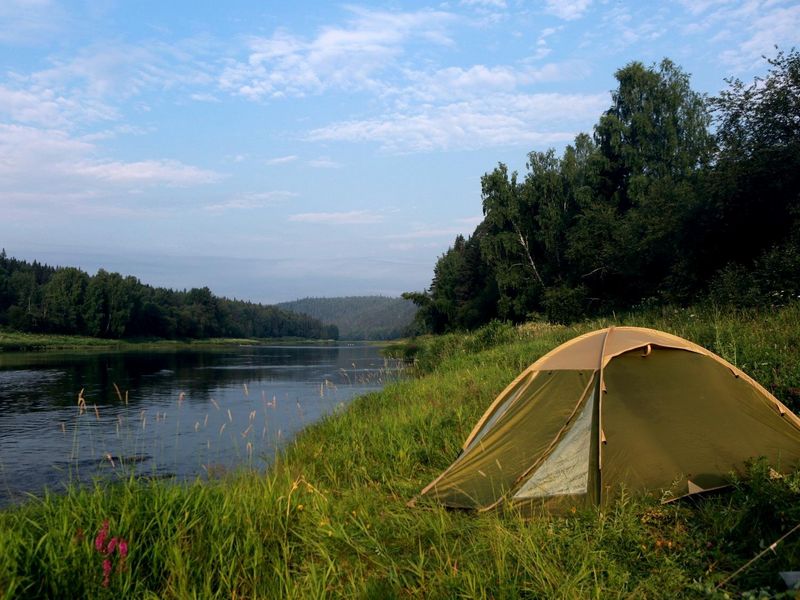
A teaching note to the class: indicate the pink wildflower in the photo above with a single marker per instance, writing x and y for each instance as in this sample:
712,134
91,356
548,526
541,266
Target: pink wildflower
106,571
101,537
111,545
123,548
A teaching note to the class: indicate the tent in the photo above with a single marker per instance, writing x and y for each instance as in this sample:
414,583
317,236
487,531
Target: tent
623,407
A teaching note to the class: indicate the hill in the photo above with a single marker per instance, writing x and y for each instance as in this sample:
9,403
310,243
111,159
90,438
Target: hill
359,317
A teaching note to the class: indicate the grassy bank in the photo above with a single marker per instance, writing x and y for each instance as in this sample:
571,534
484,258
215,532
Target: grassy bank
16,341
330,519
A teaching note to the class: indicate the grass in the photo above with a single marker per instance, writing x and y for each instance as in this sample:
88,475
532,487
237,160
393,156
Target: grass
329,519
17,341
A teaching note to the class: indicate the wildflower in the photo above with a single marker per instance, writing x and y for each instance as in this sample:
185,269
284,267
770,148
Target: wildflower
111,546
123,548
101,537
106,572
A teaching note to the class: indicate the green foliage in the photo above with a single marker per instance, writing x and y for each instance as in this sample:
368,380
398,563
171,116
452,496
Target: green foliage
37,298
652,207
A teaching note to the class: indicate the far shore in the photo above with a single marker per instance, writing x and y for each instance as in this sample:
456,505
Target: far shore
16,341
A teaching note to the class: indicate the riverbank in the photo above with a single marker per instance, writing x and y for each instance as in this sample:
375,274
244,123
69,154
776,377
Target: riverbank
330,519
17,341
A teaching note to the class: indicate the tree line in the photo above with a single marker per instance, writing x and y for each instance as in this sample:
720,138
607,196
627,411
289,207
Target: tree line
675,198
39,298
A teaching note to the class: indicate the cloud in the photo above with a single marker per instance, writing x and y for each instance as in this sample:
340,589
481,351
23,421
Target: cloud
280,160
485,3
765,26
697,7
47,106
251,201
87,87
568,10
49,161
457,83
27,107
323,162
352,217
497,120
150,172
205,97
348,57
118,71
29,22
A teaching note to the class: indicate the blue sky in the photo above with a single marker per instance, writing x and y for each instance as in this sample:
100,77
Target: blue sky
274,150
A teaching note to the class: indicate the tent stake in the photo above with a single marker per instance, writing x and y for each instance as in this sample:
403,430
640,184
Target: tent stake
772,547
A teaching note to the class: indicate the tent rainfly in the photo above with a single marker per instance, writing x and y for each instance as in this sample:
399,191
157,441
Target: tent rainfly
623,407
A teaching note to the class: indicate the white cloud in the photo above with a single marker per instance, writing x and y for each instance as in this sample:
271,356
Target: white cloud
323,162
119,71
351,217
87,87
458,83
697,7
765,26
497,120
567,9
27,107
150,172
205,97
485,3
280,160
29,21
251,201
52,161
349,57
47,106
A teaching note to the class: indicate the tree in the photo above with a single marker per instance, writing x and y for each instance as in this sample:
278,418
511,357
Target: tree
755,186
510,243
653,144
63,299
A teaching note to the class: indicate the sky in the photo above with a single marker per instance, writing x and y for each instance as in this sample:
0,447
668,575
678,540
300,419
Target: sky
277,150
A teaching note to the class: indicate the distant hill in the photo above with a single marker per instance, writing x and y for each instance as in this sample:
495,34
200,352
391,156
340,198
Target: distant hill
359,317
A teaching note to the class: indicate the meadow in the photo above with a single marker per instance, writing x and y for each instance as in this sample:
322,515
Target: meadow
329,519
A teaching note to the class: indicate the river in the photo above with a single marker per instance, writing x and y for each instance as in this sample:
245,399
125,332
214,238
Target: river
180,414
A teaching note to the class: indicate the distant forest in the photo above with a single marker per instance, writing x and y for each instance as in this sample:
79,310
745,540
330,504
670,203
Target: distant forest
360,317
39,298
675,198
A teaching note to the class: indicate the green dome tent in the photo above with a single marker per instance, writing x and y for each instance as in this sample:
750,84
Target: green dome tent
622,406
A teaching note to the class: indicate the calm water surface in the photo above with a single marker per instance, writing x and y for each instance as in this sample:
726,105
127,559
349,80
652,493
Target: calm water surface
183,414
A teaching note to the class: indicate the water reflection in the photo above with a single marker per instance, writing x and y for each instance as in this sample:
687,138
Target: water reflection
186,413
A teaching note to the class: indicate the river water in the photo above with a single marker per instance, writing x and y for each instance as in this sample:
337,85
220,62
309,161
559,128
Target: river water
79,416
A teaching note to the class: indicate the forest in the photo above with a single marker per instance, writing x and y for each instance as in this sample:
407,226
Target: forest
44,299
675,198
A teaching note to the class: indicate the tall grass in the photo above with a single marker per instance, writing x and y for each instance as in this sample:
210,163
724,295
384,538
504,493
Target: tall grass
329,518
